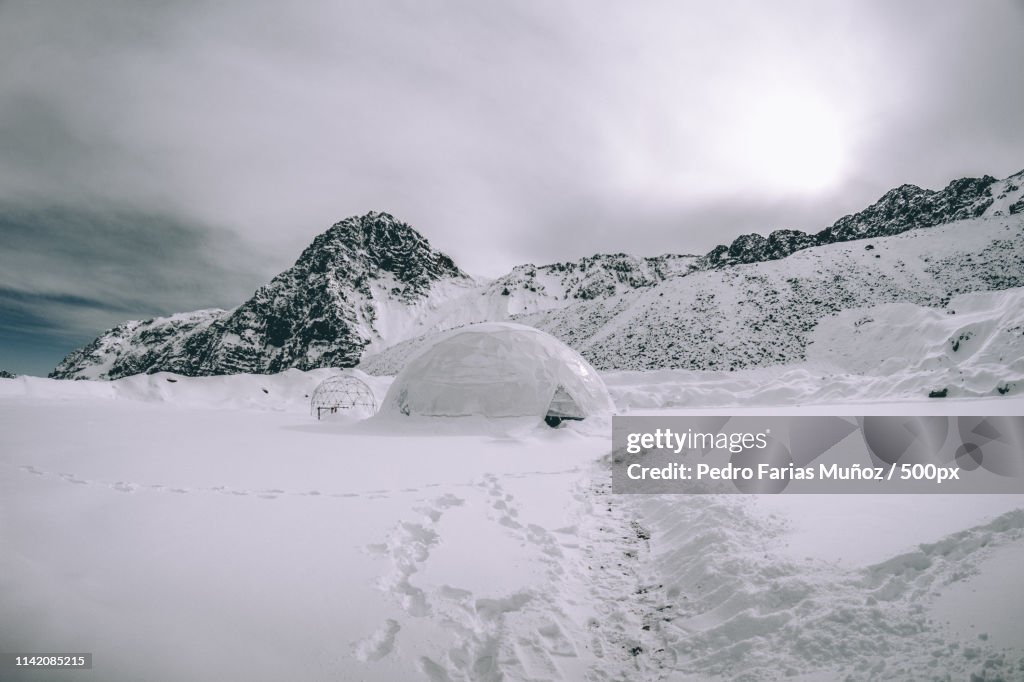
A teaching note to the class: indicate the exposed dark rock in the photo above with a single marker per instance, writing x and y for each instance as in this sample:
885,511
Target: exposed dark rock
907,207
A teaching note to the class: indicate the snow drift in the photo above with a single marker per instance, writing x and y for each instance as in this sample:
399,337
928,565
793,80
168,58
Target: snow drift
974,347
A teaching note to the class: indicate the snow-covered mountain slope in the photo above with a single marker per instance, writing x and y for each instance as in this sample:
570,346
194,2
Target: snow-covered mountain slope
364,280
763,313
171,343
893,352
372,282
532,288
364,285
907,207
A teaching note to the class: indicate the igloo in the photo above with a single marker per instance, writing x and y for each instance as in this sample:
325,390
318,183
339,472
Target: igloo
498,369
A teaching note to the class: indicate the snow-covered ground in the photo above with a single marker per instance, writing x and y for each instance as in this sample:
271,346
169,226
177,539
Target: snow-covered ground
210,529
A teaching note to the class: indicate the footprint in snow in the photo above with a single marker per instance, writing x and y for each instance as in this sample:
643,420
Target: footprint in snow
269,493
448,500
433,671
555,640
454,593
379,644
509,522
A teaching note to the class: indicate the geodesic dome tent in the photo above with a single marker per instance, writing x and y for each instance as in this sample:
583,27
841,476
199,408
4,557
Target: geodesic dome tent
498,369
344,393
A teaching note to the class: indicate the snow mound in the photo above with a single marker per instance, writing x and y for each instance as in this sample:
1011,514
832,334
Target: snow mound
288,391
974,348
497,369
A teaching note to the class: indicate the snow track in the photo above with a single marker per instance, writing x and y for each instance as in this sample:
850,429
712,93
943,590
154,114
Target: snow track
518,634
693,588
263,493
725,605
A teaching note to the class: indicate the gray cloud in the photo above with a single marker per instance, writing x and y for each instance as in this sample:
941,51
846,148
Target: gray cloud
67,273
505,132
117,257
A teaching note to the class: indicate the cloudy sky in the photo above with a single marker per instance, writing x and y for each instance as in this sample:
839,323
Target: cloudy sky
167,156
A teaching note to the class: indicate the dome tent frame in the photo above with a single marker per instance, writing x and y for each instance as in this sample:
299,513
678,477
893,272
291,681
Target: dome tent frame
343,392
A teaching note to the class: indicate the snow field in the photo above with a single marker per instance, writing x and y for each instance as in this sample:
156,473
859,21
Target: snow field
170,540
206,529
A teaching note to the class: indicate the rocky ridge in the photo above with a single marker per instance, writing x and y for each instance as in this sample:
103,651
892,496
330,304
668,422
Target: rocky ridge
907,207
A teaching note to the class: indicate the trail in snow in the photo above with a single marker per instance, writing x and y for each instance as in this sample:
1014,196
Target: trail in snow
693,587
517,634
264,493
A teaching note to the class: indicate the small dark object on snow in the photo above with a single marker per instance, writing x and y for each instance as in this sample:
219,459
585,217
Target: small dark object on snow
938,394
641,532
553,420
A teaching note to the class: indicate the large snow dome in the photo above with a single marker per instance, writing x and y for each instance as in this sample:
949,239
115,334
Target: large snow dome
498,369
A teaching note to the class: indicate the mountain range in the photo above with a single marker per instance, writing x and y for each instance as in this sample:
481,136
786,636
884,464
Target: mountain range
369,287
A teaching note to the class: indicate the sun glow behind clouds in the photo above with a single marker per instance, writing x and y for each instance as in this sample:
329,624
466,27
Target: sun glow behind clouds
782,141
790,141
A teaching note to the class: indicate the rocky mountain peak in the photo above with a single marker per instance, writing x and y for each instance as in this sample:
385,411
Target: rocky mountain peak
378,242
323,311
